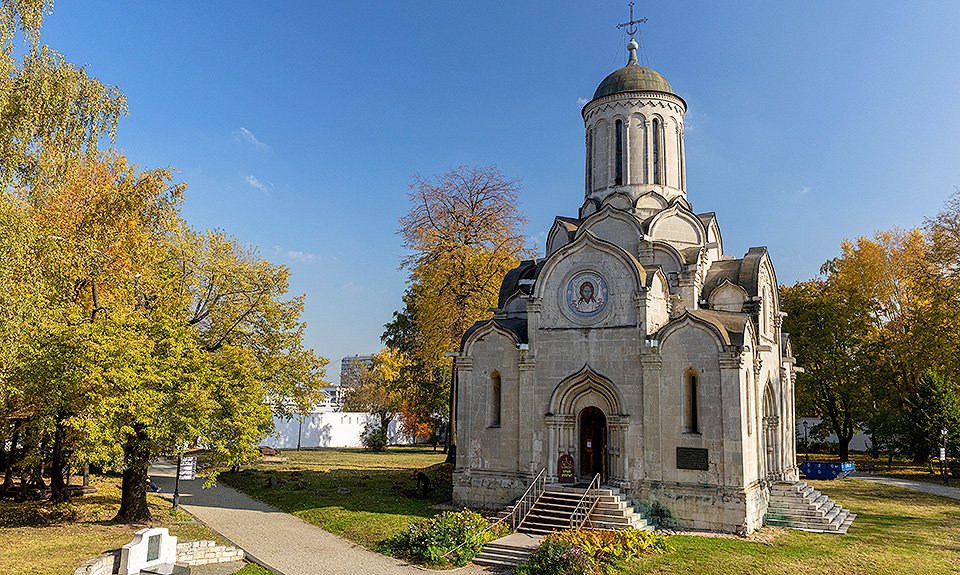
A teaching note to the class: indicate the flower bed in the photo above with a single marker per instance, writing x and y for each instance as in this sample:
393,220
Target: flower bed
590,552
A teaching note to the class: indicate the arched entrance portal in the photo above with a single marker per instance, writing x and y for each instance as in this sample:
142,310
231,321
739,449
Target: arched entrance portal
593,443
587,407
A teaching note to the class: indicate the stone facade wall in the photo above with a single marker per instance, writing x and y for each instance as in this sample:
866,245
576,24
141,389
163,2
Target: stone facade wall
106,564
188,553
206,552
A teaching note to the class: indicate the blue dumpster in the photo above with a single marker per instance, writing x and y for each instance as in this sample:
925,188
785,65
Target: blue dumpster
826,469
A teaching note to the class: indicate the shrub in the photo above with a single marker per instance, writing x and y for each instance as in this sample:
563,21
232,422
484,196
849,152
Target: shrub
427,541
374,438
590,552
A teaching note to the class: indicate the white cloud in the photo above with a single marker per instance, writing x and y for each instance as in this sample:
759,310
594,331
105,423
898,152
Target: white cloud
302,256
804,190
255,183
296,255
581,102
245,135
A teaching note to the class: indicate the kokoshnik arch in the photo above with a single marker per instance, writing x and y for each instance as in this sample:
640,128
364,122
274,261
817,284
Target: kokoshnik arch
636,346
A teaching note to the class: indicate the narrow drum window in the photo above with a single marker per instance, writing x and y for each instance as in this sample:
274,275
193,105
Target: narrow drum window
619,179
656,150
495,392
589,161
692,404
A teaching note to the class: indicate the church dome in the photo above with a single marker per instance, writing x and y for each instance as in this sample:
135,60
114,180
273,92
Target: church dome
632,78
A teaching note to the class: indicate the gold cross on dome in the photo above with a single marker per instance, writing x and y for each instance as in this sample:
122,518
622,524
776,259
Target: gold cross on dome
631,26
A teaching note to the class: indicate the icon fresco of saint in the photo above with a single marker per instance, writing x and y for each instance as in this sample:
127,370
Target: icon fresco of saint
586,294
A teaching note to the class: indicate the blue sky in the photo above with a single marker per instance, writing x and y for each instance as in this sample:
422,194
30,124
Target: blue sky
298,125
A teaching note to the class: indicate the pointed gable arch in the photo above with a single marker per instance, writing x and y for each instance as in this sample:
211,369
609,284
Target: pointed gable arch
588,385
728,296
615,226
689,321
480,331
618,200
649,204
677,225
590,206
587,240
561,233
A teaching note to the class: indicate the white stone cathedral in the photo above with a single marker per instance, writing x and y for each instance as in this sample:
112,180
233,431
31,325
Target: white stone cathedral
637,349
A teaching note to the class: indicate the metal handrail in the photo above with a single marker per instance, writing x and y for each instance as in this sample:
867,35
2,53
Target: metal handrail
528,499
540,483
581,508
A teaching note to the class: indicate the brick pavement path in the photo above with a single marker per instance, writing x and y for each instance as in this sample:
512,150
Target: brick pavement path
280,541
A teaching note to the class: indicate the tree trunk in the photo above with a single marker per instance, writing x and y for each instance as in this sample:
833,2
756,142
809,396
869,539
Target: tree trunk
133,487
11,459
58,488
844,448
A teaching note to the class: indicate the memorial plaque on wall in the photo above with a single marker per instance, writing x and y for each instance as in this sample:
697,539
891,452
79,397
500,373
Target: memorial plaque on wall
692,458
565,470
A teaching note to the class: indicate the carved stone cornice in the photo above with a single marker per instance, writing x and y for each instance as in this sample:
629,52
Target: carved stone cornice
650,358
634,100
534,304
464,363
731,360
560,420
618,422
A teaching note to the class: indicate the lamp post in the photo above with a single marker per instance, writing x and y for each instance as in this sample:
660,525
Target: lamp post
806,441
176,484
943,457
299,431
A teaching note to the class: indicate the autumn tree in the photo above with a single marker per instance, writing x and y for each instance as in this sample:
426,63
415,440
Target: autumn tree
380,390
127,334
52,114
462,233
830,333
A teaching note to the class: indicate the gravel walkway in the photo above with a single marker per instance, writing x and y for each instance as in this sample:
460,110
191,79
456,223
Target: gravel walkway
931,488
280,541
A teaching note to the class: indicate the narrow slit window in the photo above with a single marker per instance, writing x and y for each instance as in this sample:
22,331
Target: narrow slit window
495,399
589,161
692,404
656,150
619,179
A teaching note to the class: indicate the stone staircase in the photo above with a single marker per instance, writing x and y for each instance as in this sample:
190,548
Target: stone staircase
506,552
552,512
800,506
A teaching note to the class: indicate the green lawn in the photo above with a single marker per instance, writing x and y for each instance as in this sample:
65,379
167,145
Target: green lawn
253,569
899,467
896,531
366,497
37,538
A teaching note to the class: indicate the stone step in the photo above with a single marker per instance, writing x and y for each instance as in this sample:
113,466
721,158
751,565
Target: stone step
500,557
800,506
800,509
